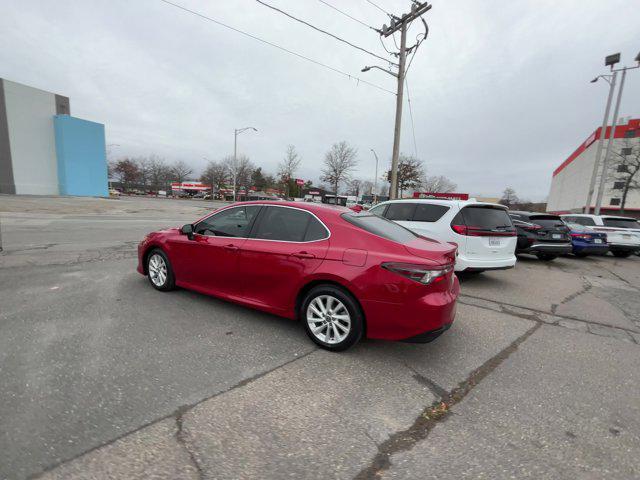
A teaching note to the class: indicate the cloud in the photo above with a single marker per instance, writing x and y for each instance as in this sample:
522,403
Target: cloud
499,91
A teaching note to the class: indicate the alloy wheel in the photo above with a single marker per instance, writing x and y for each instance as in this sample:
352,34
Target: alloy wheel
157,270
328,319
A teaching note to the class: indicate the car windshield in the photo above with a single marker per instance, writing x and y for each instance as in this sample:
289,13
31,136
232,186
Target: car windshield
486,217
548,221
621,222
380,226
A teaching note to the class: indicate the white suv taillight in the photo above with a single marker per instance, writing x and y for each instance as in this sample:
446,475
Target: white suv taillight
419,273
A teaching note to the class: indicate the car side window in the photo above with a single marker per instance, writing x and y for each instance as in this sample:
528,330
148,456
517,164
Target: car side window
378,210
283,224
401,211
585,221
315,230
426,212
233,222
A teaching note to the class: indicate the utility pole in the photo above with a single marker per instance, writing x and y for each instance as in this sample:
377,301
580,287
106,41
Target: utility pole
400,24
375,179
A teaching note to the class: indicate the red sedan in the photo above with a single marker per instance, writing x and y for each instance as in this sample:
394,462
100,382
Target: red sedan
343,274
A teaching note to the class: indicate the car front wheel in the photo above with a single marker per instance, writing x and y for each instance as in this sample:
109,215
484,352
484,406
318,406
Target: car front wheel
332,318
159,271
621,254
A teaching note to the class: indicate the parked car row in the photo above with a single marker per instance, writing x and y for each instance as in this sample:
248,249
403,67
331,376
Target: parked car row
387,273
489,236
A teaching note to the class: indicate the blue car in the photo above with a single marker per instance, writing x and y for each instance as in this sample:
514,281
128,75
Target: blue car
586,241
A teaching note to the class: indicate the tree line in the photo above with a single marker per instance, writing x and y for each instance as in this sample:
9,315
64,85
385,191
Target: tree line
337,173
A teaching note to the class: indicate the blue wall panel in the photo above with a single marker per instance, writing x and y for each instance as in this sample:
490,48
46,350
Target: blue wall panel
82,161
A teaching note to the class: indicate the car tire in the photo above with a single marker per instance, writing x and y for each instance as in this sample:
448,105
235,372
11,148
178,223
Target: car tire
621,254
547,257
581,254
159,271
332,318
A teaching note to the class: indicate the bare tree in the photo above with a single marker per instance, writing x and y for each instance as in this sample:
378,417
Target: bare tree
367,187
624,170
180,171
126,171
509,197
355,187
159,173
243,168
216,175
339,162
144,169
438,184
410,173
288,167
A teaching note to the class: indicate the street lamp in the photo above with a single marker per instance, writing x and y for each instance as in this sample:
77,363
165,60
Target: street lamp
609,61
237,132
375,179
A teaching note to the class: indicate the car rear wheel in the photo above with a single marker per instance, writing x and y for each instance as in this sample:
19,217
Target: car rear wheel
159,271
581,254
621,254
331,317
546,256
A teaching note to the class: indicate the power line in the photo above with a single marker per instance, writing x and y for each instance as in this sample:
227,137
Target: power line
349,16
379,8
413,128
323,31
299,55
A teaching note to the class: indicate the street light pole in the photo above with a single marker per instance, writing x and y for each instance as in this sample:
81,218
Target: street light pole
605,161
375,179
603,132
237,132
393,194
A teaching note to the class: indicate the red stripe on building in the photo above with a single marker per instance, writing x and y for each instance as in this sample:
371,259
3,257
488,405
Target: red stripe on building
620,131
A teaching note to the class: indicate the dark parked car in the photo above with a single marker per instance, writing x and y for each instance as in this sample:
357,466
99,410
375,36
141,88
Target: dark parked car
541,234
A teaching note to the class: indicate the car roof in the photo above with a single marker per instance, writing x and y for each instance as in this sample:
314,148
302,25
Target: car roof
442,201
309,206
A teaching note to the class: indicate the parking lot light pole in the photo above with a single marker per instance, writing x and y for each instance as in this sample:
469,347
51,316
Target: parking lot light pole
237,132
375,179
611,80
611,60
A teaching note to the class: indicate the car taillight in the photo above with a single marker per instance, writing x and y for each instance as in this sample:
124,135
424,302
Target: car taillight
583,236
532,228
482,232
419,273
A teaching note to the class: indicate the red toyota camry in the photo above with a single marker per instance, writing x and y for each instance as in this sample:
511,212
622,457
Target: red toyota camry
344,274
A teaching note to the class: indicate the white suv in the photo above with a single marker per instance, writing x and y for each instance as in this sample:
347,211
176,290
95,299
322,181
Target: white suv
623,233
483,232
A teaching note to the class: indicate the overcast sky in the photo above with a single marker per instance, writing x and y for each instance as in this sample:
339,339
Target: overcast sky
500,89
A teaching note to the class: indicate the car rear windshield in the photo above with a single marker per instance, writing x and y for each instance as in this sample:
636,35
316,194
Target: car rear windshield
380,226
548,221
487,217
621,222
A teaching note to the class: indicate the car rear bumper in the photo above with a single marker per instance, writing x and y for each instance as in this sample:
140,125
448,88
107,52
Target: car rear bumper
595,249
471,264
624,247
430,336
550,248
422,316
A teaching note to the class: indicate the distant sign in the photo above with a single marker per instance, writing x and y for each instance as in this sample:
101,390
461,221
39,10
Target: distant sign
314,193
452,195
299,181
177,186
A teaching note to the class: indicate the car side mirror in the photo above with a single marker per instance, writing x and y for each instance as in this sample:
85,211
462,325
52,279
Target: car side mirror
187,230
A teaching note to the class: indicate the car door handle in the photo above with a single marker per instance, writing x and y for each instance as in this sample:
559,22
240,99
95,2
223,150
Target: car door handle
304,255
231,247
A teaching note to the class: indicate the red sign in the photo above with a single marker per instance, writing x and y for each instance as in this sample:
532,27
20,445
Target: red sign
189,186
452,196
299,181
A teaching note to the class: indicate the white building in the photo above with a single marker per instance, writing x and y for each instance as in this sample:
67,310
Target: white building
570,183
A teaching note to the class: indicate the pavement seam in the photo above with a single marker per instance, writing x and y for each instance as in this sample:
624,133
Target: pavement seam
435,413
534,317
179,412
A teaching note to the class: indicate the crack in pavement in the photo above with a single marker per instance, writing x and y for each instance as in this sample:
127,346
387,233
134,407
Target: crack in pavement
586,286
438,412
180,438
178,414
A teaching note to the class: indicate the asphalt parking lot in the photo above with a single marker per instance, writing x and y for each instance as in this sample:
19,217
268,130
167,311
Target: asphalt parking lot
104,377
